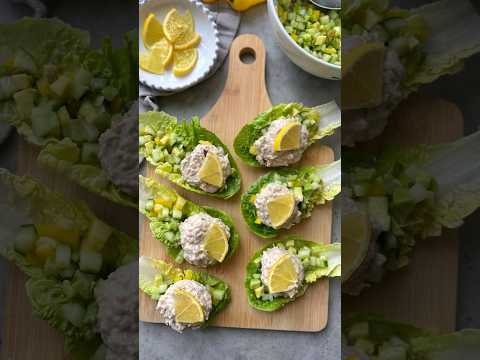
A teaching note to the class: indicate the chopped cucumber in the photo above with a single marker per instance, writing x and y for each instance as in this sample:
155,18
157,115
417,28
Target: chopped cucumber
177,214
25,239
90,262
65,121
255,283
80,84
97,236
45,122
379,213
304,253
73,313
169,236
25,101
9,85
60,87
87,111
45,247
290,243
179,258
292,250
63,256
180,203
260,291
149,205
218,295
90,153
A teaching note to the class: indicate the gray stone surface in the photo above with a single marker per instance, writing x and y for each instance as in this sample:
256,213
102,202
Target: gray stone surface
286,83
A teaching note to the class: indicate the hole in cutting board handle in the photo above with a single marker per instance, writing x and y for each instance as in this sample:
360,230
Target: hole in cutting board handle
248,56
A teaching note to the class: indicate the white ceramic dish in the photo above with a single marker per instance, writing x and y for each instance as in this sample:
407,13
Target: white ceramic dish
299,56
207,50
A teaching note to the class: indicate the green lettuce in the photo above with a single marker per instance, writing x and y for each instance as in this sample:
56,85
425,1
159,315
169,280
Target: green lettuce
165,227
62,297
155,276
164,143
373,336
331,267
413,193
321,121
318,185
71,95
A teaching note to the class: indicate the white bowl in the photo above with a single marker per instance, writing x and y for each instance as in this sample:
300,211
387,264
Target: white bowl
300,56
208,49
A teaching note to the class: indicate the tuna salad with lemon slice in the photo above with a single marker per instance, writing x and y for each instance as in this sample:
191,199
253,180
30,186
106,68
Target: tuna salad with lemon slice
389,52
72,101
283,270
186,299
71,259
188,155
202,236
393,199
281,199
279,136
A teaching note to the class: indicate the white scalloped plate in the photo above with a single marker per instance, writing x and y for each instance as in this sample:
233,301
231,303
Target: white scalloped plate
207,50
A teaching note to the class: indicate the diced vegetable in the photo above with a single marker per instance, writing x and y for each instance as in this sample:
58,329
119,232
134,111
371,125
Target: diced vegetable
61,86
259,291
25,101
90,153
63,256
25,240
45,122
217,295
70,237
9,85
255,283
97,236
90,262
45,247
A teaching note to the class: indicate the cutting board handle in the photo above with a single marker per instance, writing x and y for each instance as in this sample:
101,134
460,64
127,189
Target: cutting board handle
247,66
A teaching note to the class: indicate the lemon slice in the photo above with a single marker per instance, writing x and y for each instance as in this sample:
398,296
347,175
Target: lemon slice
187,309
187,41
362,76
152,31
282,275
280,209
288,138
184,61
216,242
356,233
175,25
211,170
163,52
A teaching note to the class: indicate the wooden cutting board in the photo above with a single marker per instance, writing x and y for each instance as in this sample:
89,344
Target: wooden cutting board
23,335
244,97
425,292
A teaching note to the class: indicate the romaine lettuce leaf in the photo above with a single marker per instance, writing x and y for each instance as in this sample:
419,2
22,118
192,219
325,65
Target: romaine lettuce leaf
161,225
321,121
332,253
319,184
155,276
181,137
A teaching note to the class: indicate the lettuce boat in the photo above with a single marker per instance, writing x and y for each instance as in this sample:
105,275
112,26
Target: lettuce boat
315,261
402,196
310,186
167,145
167,211
156,277
68,98
65,251
317,123
413,47
368,336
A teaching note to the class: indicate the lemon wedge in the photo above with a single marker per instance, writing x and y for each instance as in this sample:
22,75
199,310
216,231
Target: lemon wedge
211,170
187,41
158,58
280,209
356,233
175,25
288,138
152,31
187,309
283,274
216,242
362,76
184,61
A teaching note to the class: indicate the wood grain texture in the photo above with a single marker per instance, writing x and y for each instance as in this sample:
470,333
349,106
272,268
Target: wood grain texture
425,292
24,336
244,97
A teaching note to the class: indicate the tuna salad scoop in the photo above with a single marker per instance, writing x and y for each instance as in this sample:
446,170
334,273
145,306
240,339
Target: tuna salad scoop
204,239
282,272
277,206
206,167
282,144
118,148
186,304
